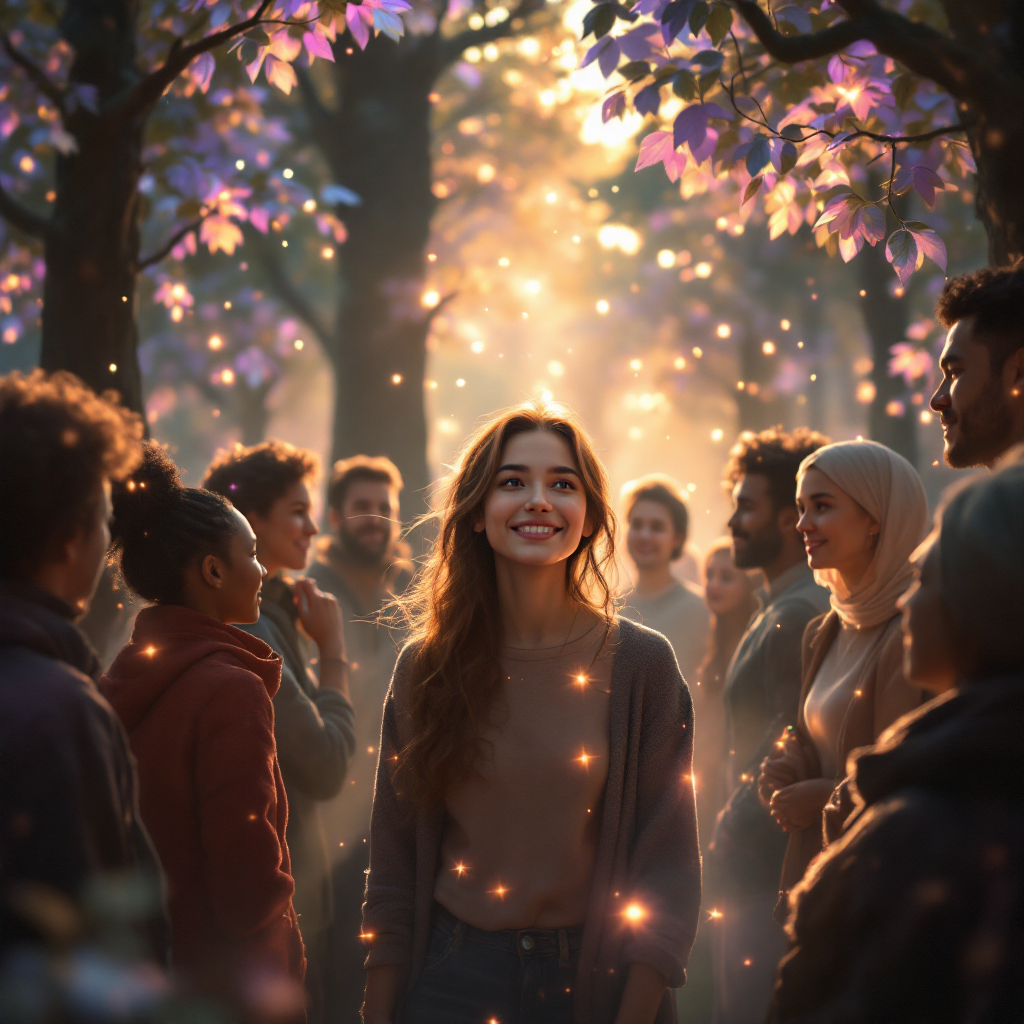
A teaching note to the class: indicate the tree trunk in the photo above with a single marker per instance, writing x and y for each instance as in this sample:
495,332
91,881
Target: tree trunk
886,318
379,146
92,244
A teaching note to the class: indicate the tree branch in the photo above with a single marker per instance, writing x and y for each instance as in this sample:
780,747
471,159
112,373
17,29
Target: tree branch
21,217
920,48
453,48
164,250
149,89
287,291
39,77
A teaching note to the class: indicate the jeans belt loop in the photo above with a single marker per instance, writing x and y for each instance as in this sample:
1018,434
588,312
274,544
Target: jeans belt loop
563,948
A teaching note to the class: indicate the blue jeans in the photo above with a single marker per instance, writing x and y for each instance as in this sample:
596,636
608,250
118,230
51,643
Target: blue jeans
512,977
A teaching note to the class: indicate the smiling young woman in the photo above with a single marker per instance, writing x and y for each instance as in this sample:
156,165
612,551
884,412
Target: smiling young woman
863,512
533,848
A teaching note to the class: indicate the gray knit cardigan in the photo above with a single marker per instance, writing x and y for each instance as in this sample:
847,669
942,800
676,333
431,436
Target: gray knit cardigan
647,851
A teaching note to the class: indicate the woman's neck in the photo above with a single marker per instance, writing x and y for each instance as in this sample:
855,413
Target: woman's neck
535,607
654,581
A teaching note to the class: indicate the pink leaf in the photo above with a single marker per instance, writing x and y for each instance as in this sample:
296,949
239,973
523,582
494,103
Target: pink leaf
928,242
259,218
901,252
201,71
317,46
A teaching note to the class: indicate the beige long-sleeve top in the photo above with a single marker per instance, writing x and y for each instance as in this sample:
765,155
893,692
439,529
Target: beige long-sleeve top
647,851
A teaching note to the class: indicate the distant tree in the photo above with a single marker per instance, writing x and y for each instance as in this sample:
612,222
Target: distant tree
106,122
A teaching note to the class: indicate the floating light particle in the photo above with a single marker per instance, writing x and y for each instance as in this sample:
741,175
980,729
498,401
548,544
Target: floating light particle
898,292
150,651
679,363
459,869
862,293
814,376
634,433
298,344
926,416
491,52
499,891
715,915
239,165
738,230
124,298
461,382
666,259
556,369
177,314
785,324
768,348
576,239
741,385
288,173
602,306
485,173
434,97
634,912
215,413
532,287
691,487
227,375
799,344
865,392
585,758
615,188
26,164
698,352
396,378
895,408
722,223
581,680
529,47
112,367
636,365
592,192
551,198
503,261
284,243
526,316
51,196
703,269
430,298
431,257
477,347
723,331
178,292
430,385
227,304
309,206
717,434
215,343
747,962
621,237
327,253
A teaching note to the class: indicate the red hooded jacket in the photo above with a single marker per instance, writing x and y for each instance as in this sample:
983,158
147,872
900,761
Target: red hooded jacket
195,697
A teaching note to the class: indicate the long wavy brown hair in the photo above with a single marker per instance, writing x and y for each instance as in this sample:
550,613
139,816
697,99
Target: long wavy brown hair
453,606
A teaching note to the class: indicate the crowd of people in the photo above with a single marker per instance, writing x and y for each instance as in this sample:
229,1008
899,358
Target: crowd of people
320,782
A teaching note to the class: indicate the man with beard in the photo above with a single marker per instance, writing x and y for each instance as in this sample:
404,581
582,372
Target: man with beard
980,400
762,690
361,565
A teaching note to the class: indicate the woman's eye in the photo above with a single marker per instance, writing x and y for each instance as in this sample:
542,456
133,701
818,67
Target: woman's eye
512,481
565,484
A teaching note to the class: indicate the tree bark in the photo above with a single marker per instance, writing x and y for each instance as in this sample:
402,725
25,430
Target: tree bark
92,242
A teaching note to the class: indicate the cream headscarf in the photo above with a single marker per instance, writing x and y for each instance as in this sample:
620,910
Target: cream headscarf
888,488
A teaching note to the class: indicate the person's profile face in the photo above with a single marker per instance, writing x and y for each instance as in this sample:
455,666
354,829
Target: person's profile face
928,646
651,536
726,588
535,512
285,533
756,538
88,551
241,576
972,402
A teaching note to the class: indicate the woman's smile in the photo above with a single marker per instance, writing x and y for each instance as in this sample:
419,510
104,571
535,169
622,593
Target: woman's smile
539,530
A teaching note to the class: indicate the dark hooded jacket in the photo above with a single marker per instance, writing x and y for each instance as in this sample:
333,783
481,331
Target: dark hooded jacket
195,696
916,915
68,789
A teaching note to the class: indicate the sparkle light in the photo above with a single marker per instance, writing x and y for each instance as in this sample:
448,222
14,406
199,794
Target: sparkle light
288,173
503,261
715,915
499,891
556,369
309,206
634,912
485,173
327,253
581,680
299,344
703,269
666,259
215,343
635,365
551,198
112,367
430,298
239,165
477,347
698,352
149,651
717,434
27,164
785,325
459,869
621,237
865,392
396,378
460,383
227,375
768,348
602,306
177,313
585,758
679,363
532,287
723,331
722,223
926,416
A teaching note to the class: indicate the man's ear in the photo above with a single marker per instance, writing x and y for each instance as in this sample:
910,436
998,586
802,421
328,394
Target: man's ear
1013,373
788,517
211,570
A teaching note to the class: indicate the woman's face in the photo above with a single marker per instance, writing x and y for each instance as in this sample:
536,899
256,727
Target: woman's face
726,587
651,536
929,649
536,510
240,576
283,536
838,533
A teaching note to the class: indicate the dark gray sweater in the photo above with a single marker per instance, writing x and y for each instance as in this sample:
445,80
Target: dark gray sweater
647,852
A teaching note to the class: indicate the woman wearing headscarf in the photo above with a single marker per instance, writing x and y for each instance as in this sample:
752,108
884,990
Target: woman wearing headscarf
917,912
863,512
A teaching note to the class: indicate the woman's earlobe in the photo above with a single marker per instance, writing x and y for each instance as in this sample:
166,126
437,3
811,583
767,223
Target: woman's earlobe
211,572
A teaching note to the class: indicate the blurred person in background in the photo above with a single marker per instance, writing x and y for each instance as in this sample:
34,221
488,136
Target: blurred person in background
363,565
194,693
657,524
534,840
980,399
761,694
69,815
730,596
863,513
917,913
269,484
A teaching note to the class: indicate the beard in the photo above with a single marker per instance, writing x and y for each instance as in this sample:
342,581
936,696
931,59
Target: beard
370,551
761,548
985,429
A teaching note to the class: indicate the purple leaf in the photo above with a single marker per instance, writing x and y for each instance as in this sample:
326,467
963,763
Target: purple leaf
638,43
836,68
615,106
648,99
318,46
926,184
872,224
608,60
690,126
928,242
201,71
901,252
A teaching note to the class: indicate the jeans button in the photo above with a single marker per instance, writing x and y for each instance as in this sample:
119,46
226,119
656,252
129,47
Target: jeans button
526,942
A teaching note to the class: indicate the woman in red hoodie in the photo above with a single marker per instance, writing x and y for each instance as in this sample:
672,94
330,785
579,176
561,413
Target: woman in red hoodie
195,694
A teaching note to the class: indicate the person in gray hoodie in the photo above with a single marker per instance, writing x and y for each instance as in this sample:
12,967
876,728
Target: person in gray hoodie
269,484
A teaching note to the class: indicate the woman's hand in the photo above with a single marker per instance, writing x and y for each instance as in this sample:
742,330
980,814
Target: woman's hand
321,618
799,805
783,769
